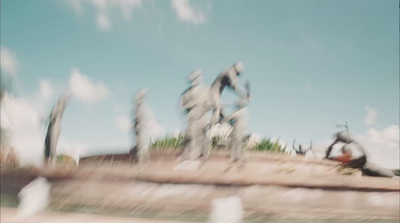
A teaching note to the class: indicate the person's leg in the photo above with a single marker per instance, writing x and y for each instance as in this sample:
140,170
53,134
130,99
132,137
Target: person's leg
196,140
47,142
139,146
187,145
373,170
54,141
133,153
204,140
201,142
190,137
236,146
357,163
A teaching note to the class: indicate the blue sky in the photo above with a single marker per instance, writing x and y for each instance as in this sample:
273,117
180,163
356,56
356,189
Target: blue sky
311,64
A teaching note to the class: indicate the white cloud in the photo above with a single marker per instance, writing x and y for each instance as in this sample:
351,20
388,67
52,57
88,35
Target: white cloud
187,12
105,7
23,117
101,4
85,89
372,114
46,89
22,122
127,7
41,100
382,146
123,123
103,21
9,61
17,114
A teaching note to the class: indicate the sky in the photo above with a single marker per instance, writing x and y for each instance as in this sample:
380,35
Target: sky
311,65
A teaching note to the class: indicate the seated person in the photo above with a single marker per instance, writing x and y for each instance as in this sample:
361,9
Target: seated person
358,163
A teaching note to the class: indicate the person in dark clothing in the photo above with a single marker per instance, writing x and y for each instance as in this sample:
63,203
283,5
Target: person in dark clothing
54,128
357,163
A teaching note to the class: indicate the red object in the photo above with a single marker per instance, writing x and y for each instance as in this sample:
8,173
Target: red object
345,158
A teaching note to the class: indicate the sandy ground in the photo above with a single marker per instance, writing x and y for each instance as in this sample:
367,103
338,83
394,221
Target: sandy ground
270,170
8,215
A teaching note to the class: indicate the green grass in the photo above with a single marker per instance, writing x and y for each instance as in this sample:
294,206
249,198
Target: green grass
216,142
169,142
269,145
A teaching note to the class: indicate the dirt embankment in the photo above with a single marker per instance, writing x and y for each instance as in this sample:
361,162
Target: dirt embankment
267,185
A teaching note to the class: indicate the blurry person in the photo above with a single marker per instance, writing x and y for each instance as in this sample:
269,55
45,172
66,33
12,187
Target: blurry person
239,121
199,99
190,97
301,151
193,102
140,152
346,157
227,78
54,129
360,162
133,154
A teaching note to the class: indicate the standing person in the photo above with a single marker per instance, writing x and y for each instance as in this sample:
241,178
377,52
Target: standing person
141,154
193,103
54,129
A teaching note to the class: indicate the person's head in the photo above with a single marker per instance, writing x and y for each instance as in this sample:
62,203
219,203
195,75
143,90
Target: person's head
141,95
344,136
238,67
346,149
195,78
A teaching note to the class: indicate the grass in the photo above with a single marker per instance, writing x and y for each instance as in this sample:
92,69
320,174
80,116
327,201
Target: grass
173,143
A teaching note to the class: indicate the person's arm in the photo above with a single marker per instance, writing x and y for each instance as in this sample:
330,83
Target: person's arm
234,84
189,105
328,152
294,148
187,101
